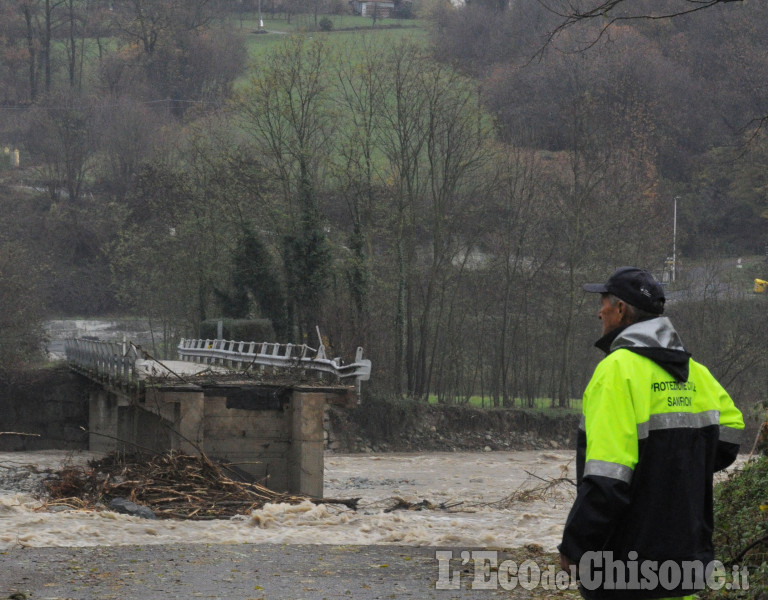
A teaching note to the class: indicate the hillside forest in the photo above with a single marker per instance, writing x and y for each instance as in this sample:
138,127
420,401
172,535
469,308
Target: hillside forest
435,189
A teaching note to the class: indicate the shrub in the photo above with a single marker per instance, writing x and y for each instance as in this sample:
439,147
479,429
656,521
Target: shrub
741,525
326,24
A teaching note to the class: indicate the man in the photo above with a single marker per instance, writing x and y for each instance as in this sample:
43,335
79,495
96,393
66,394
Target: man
656,425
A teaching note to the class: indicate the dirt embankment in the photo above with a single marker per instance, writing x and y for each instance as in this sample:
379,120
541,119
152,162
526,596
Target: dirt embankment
407,426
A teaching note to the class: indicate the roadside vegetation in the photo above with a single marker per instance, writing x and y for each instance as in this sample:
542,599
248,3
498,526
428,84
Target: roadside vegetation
741,529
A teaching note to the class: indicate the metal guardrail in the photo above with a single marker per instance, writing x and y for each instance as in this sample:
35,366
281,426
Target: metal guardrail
243,355
124,363
110,361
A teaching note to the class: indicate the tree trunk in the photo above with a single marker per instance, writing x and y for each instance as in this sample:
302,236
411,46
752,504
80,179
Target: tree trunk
46,51
30,35
72,45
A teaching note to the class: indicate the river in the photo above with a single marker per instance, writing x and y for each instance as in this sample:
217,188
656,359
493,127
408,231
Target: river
484,494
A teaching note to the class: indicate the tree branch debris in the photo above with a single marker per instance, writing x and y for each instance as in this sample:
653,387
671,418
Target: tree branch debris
173,485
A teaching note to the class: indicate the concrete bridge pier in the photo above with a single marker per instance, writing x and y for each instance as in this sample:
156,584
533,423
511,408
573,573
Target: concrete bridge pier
103,419
306,456
170,420
273,433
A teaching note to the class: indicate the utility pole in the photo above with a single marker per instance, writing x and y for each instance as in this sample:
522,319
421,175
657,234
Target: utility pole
674,243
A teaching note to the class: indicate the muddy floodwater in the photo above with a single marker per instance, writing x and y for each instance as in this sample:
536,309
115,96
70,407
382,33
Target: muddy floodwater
477,498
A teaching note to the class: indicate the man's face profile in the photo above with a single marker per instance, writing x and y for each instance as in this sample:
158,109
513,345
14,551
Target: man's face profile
610,314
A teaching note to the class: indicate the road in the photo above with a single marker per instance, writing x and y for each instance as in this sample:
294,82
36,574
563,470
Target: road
721,278
244,571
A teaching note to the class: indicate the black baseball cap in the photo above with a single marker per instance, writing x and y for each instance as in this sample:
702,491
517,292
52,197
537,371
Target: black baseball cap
635,286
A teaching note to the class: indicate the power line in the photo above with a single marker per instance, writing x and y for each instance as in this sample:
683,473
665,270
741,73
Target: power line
113,105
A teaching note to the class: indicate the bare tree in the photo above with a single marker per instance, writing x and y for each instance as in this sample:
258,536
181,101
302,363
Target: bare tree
43,22
359,73
175,249
608,189
403,110
152,22
434,140
515,221
127,131
286,110
63,137
610,12
49,9
29,9
18,48
145,21
75,26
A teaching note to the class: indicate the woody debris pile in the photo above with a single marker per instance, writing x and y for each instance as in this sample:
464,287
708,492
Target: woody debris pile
173,485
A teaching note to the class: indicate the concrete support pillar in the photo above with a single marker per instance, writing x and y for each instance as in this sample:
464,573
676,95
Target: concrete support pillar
167,420
102,419
188,419
305,461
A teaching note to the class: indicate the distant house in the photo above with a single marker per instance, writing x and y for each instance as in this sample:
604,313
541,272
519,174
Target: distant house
381,9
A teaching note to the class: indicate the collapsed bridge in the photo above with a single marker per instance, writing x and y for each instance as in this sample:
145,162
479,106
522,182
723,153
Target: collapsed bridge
257,405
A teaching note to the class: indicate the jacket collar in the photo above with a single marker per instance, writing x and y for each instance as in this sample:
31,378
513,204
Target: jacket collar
605,342
655,339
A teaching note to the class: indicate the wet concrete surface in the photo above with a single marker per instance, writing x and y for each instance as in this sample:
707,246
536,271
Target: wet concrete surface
244,571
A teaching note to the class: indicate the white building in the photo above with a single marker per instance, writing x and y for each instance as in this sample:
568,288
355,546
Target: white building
381,9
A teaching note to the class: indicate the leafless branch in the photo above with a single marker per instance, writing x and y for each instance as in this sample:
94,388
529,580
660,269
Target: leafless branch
573,13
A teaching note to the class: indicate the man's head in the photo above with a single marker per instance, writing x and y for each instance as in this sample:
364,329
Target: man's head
630,295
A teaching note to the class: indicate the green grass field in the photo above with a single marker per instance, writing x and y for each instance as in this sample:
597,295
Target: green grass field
345,28
349,34
306,22
543,405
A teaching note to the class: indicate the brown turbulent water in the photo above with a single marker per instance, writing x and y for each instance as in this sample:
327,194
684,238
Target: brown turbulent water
484,492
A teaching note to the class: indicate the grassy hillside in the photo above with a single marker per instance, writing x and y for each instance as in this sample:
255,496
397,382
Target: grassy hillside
344,28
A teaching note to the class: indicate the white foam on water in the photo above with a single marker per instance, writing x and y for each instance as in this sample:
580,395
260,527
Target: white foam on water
469,481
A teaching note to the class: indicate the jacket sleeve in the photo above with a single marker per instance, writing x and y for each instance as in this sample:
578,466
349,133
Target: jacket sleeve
610,432
731,431
599,503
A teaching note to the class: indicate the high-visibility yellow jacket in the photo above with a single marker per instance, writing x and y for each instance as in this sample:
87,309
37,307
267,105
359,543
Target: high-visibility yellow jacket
656,425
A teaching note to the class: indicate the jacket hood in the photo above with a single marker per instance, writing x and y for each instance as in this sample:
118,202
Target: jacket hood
655,339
